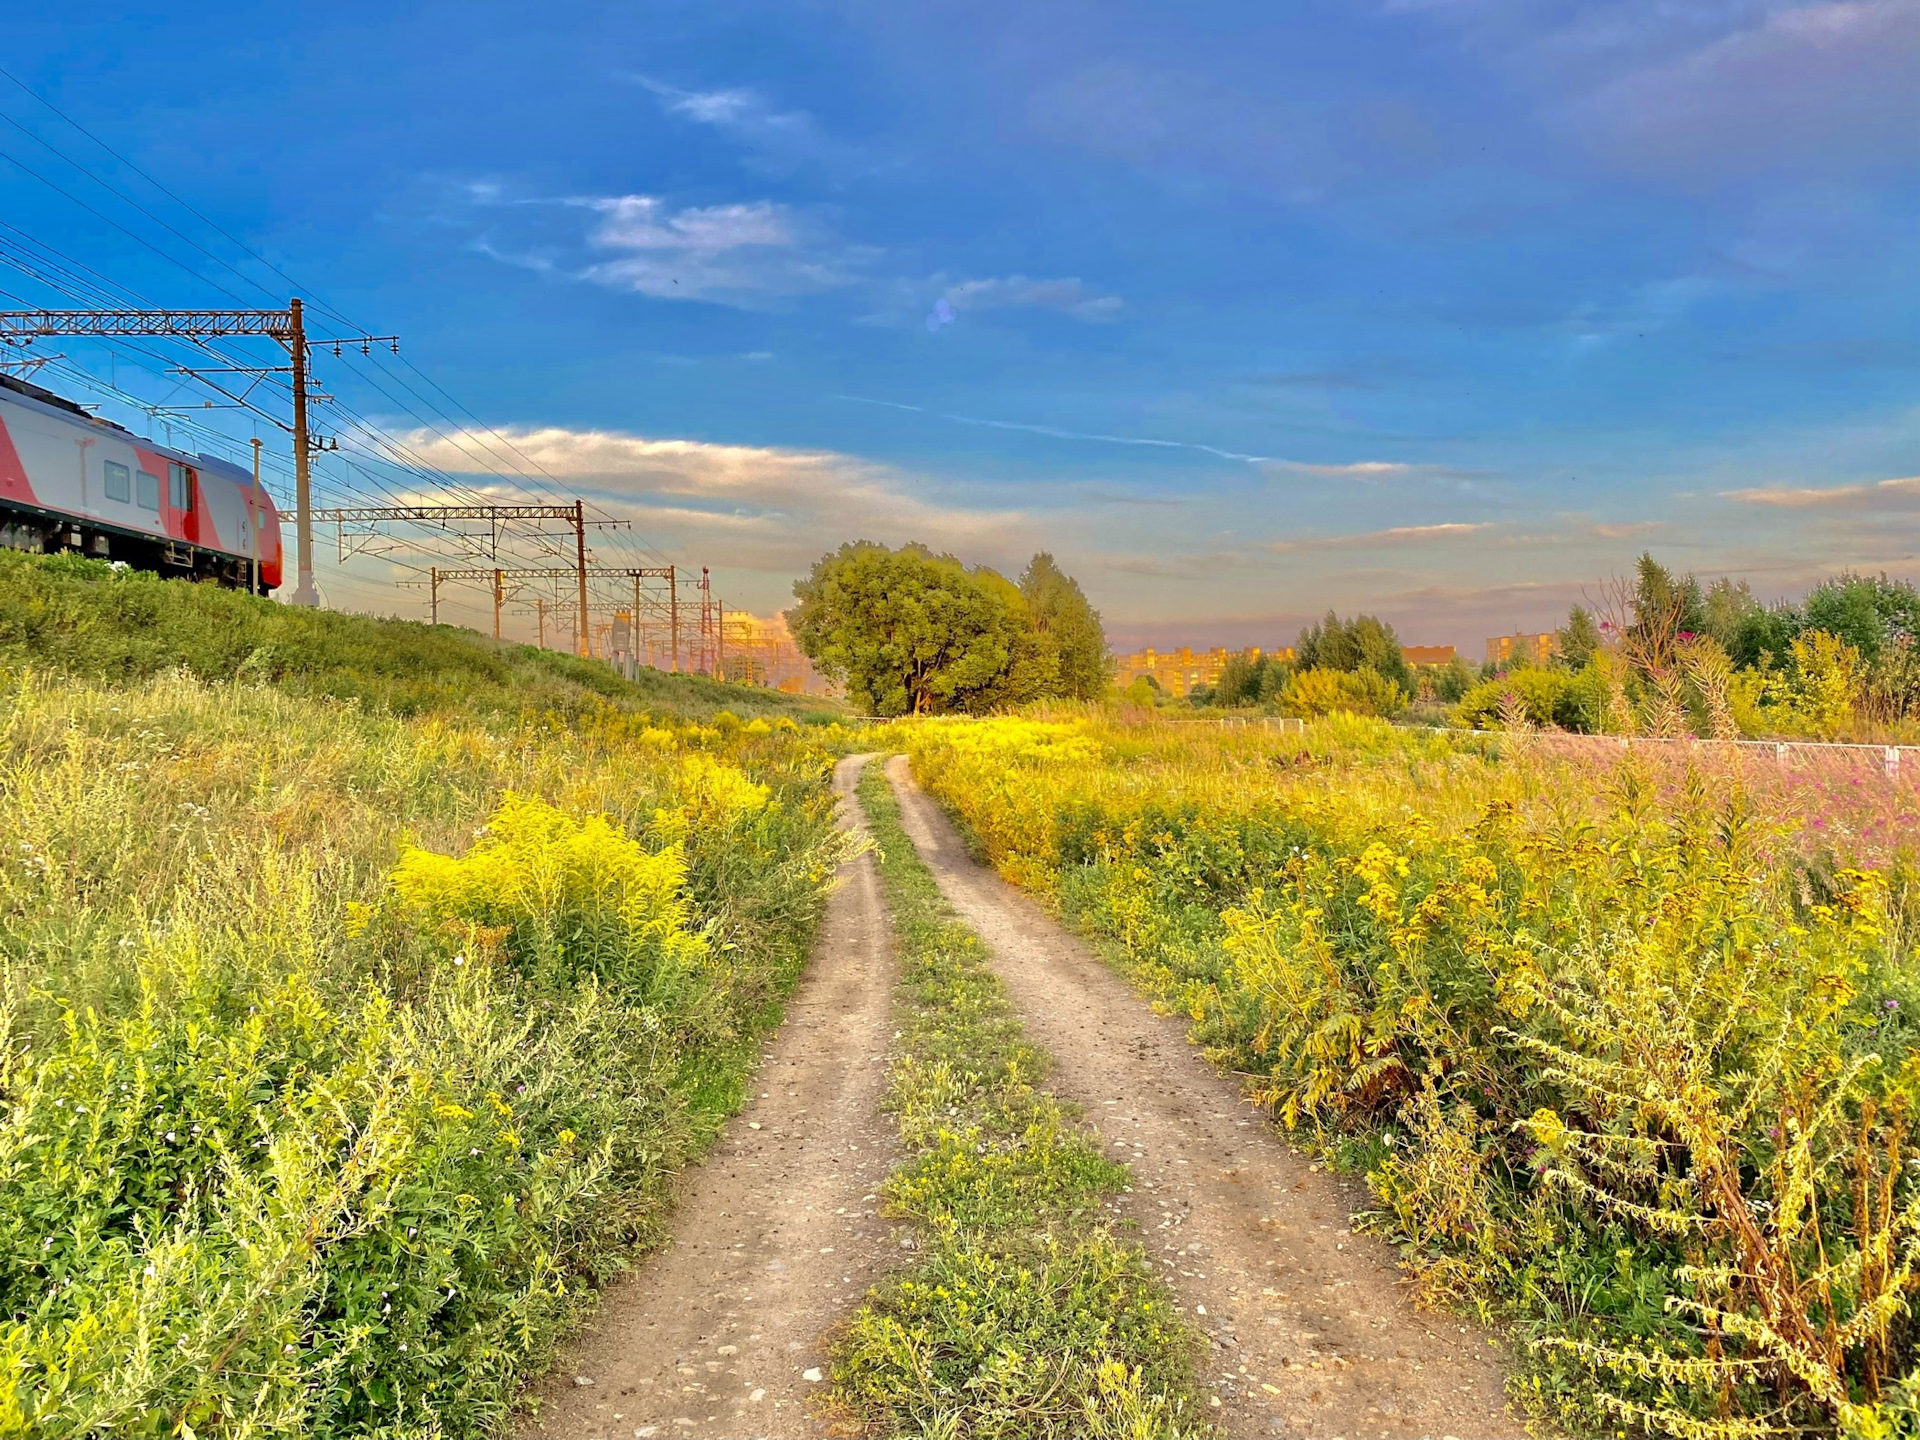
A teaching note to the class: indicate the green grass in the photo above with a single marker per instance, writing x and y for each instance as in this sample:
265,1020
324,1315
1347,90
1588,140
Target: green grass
83,617
288,1147
1027,1316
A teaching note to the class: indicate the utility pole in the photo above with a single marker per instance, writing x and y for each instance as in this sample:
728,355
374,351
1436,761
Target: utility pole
304,592
673,612
540,609
720,641
433,592
499,585
633,631
580,553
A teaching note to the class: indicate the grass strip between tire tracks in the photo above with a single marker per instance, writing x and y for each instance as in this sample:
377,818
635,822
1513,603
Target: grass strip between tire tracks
1026,1315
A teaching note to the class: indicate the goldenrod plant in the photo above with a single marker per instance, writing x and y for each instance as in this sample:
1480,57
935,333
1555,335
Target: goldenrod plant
345,1047
1623,1041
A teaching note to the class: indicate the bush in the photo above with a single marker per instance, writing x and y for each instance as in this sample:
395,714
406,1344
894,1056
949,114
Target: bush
1313,693
1571,700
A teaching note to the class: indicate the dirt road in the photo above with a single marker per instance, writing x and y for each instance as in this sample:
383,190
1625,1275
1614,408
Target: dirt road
775,1236
1313,1331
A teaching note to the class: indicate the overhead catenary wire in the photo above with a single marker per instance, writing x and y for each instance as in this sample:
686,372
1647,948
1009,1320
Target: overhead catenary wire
385,456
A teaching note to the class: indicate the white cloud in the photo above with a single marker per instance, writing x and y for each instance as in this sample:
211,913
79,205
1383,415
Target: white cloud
1356,470
743,506
1069,296
741,254
1881,494
1397,535
776,139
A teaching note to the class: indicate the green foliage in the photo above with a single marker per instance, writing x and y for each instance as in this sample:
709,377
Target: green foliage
1550,696
1070,627
1578,638
1316,692
909,631
83,617
1362,643
1868,613
1726,609
332,1078
1452,680
1027,1317
1251,681
1622,1068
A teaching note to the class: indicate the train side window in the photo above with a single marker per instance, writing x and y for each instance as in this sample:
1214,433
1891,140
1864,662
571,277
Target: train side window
179,486
119,483
149,491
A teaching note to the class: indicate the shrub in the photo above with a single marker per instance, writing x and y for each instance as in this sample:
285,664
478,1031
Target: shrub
1571,700
1321,692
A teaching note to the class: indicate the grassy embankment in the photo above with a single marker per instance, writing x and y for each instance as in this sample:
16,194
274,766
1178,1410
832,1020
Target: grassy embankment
1026,1316
76,617
1624,1044
362,987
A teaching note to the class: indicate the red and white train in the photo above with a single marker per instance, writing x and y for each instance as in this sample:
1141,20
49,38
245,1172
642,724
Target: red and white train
70,481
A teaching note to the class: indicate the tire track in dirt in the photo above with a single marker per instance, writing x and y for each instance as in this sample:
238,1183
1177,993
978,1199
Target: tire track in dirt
1313,1331
775,1236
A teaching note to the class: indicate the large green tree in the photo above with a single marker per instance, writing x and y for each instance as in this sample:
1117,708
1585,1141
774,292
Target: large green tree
1069,626
907,630
1363,642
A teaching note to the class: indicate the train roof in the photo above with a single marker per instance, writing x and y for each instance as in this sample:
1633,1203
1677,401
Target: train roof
40,395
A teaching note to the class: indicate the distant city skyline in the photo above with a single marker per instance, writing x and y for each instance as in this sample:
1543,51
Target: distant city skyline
1437,309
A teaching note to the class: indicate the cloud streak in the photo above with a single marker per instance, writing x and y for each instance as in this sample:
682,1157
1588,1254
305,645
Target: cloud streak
1897,494
1068,296
1397,535
1358,470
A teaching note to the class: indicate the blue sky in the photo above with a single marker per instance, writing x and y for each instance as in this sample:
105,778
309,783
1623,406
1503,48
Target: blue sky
1437,308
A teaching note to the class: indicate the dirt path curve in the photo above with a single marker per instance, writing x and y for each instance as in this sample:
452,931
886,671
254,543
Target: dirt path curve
775,1236
1314,1334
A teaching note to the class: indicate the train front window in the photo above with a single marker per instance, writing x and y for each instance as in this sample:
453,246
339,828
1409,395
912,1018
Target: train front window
119,483
179,486
149,486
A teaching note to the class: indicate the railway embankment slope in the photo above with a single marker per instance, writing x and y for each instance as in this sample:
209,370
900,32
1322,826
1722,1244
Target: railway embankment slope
365,987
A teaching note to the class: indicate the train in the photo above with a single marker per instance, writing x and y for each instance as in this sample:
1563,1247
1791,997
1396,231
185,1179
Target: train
72,481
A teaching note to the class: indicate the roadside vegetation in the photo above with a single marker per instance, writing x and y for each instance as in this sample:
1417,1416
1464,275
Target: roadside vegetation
362,988
1623,1044
1026,1315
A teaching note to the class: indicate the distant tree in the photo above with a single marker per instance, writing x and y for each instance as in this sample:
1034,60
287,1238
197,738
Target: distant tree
1247,680
1766,635
910,631
1363,642
1665,606
1866,612
1724,608
1578,638
1453,679
1070,626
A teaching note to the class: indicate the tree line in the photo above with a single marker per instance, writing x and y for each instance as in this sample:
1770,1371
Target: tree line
1661,653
